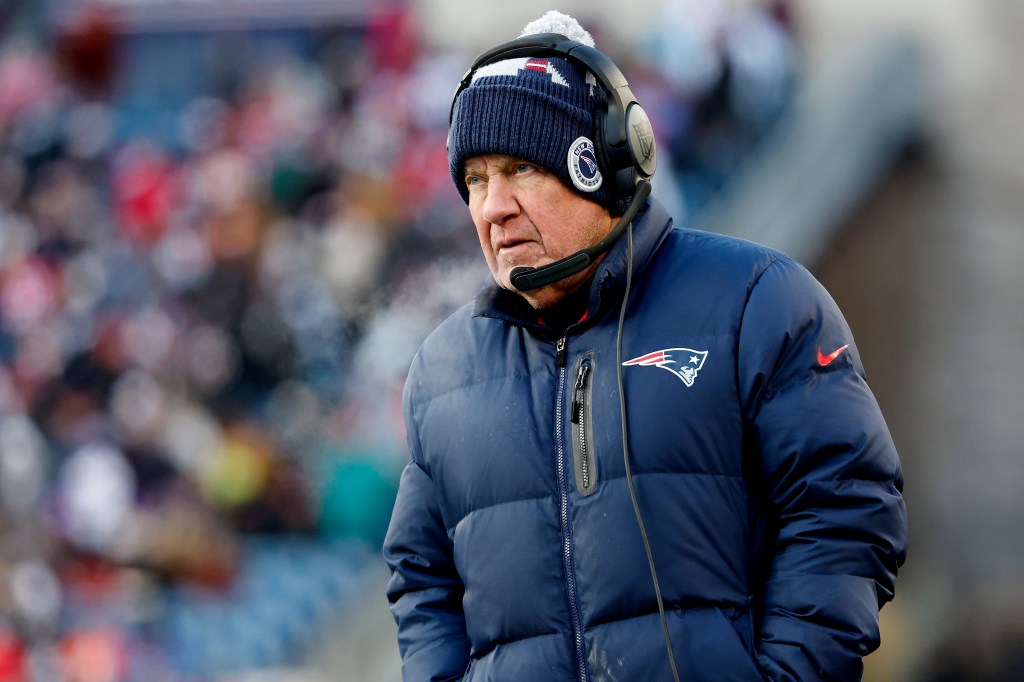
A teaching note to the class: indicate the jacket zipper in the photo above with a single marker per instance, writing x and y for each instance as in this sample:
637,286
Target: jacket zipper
563,485
583,449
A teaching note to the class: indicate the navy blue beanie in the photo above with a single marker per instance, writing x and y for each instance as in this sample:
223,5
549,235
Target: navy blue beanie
539,110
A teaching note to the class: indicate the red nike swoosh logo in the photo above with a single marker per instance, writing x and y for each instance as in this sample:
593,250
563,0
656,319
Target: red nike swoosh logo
824,360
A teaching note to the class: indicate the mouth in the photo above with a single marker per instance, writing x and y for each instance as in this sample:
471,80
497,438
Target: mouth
513,246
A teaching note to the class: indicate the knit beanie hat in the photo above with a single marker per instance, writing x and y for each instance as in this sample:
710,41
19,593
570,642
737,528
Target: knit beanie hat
540,110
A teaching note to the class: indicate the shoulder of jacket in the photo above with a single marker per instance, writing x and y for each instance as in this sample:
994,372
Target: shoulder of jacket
728,245
703,254
451,332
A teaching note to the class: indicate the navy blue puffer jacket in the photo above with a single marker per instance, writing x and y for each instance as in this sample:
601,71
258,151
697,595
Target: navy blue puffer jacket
765,473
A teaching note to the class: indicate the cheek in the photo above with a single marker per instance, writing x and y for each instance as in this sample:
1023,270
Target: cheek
568,235
483,235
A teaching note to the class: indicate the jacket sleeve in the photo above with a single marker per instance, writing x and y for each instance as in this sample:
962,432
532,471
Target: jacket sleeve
830,478
424,591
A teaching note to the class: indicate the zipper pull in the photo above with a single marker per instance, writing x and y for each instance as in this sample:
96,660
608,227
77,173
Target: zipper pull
577,394
560,353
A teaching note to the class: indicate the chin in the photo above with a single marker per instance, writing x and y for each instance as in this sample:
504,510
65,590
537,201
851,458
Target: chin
542,298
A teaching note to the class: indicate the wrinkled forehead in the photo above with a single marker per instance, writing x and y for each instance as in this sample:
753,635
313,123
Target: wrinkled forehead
482,162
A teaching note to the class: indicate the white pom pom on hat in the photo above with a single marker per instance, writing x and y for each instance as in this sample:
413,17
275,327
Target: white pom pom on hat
556,22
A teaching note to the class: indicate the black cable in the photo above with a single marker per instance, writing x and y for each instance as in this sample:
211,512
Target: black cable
625,457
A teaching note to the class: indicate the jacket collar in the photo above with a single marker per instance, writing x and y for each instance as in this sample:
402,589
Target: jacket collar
650,227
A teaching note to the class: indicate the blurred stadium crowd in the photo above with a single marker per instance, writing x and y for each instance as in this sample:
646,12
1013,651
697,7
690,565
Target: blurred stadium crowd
203,335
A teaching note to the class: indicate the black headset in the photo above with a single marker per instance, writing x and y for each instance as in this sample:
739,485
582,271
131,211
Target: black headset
624,137
624,142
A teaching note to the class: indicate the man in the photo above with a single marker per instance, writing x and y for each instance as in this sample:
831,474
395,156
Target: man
658,461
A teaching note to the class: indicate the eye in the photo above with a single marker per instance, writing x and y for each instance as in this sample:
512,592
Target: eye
473,180
524,167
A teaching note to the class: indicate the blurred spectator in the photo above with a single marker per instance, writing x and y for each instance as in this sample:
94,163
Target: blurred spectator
731,69
86,50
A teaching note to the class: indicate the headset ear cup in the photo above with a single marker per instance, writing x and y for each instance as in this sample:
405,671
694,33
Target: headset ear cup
616,162
643,151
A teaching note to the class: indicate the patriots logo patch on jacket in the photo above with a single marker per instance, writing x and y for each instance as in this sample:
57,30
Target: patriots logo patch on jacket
682,362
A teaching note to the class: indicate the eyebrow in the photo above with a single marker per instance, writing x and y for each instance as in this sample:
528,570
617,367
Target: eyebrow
481,166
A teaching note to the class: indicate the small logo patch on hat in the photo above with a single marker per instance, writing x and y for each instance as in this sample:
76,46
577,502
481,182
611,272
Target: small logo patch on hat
583,169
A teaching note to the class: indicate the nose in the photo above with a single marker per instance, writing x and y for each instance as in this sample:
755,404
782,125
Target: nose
500,204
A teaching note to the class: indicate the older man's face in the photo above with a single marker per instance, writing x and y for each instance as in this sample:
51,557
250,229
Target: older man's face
525,216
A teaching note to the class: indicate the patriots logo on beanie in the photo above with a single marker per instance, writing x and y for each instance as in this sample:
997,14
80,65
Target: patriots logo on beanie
539,109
